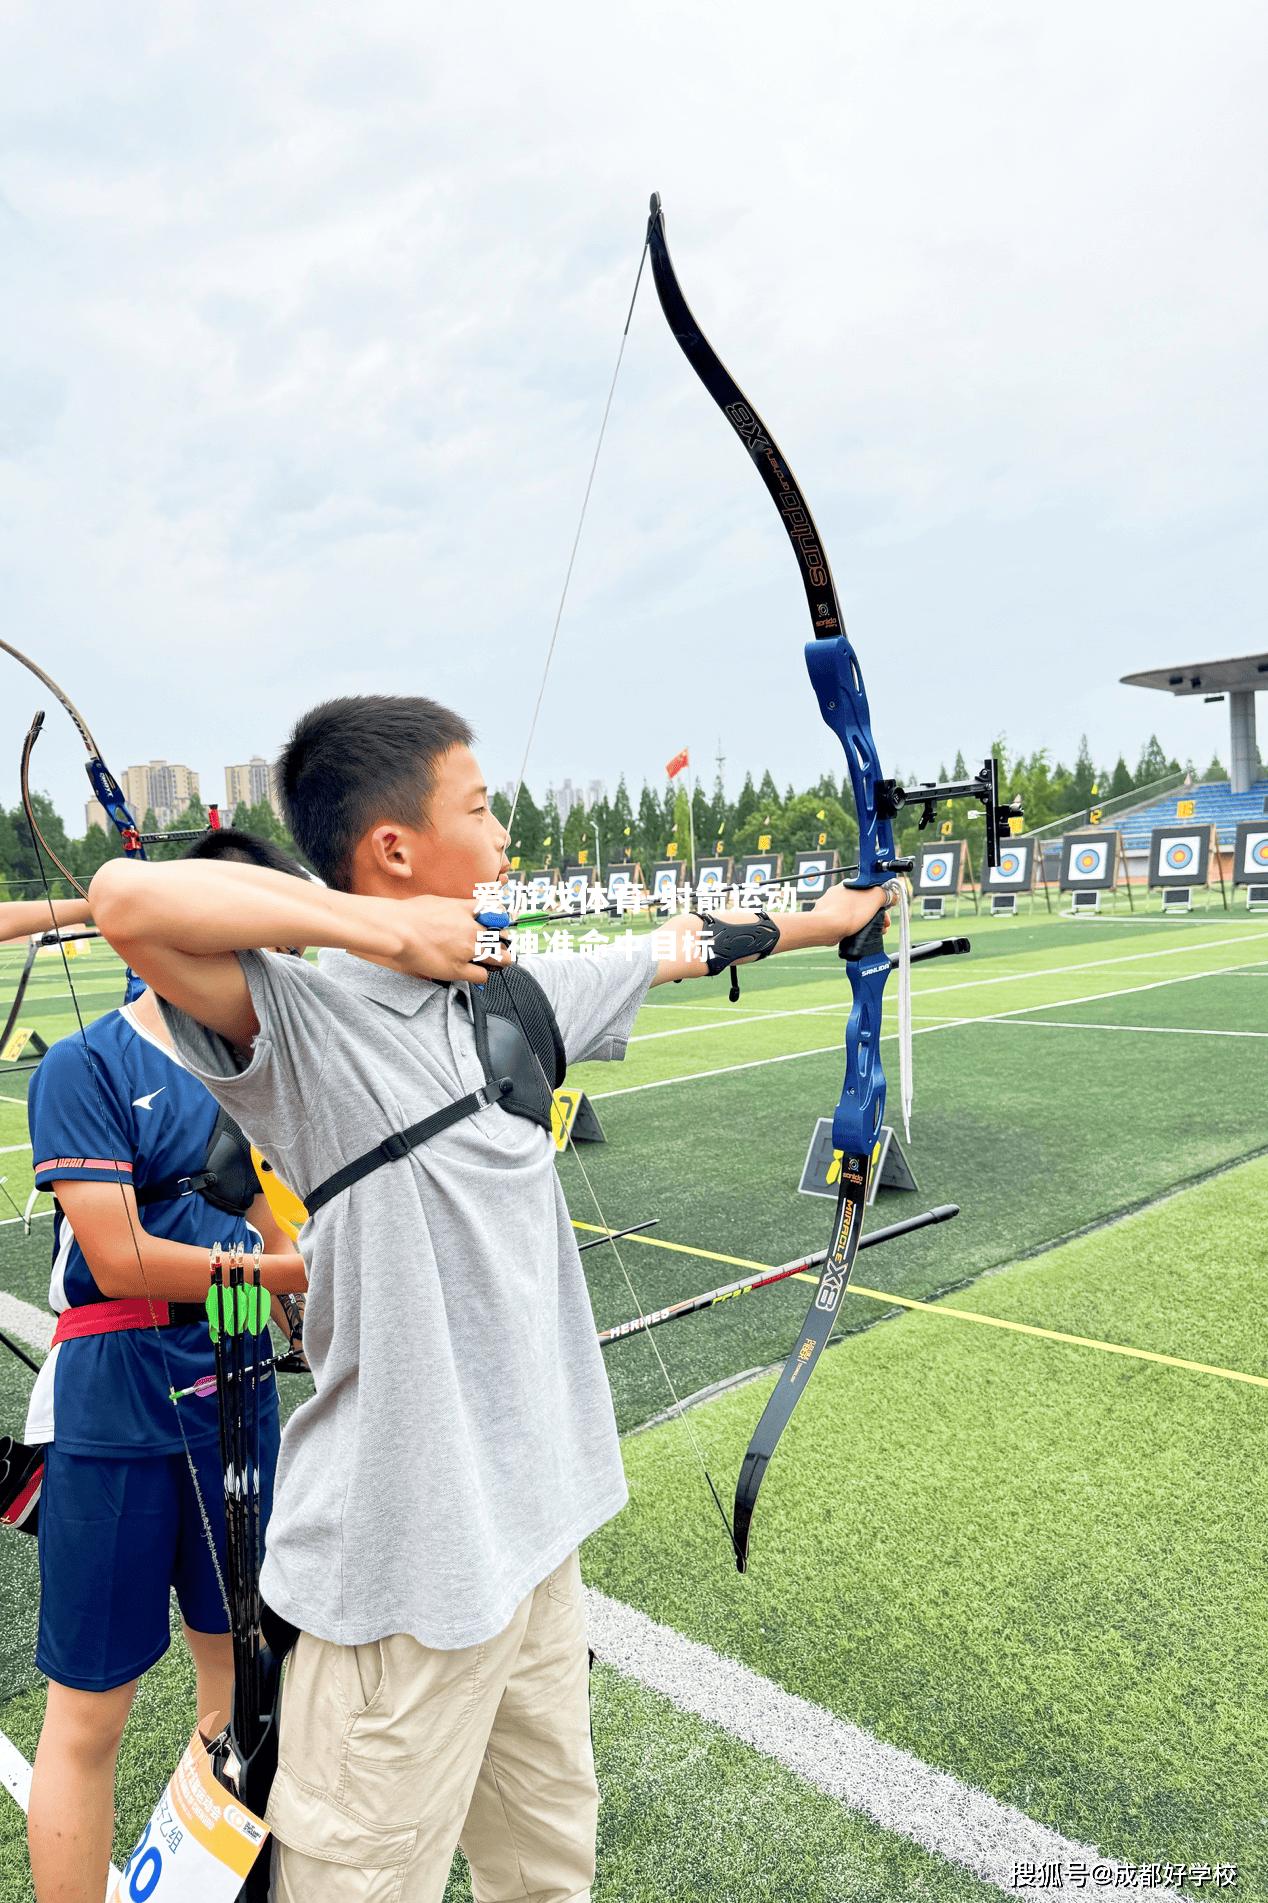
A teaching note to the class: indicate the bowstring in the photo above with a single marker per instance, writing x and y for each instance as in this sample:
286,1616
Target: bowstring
576,540
36,842
679,1406
905,1068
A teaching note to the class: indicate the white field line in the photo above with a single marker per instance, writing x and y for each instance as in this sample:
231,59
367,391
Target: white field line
7,1149
15,1778
1141,1030
938,991
895,1789
724,1024
32,1326
1073,1024
15,1773
824,957
922,1030
37,1215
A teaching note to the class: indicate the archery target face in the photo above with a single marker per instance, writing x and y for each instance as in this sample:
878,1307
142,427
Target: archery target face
665,886
578,886
1089,861
1181,857
1011,869
937,871
1255,856
620,885
810,879
710,882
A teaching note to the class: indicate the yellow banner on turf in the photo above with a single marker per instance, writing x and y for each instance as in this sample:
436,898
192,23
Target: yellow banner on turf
289,1212
563,1114
17,1044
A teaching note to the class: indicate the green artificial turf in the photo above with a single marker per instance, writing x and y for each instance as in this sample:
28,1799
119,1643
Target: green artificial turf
1038,1566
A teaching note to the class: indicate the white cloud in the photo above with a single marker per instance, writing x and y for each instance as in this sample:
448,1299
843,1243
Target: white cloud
311,315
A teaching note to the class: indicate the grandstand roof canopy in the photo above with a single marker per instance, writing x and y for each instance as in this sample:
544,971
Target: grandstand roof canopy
1243,673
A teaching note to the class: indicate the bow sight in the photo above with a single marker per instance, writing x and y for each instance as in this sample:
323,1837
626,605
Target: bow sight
891,798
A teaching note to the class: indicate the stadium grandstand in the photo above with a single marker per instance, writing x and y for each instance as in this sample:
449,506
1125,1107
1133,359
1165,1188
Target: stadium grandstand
1179,796
1219,803
1212,803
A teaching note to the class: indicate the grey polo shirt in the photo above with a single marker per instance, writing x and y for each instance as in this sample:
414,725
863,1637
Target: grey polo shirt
461,1441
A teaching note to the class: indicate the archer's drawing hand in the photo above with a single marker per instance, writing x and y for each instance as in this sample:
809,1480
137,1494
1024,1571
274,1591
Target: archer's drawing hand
845,910
440,939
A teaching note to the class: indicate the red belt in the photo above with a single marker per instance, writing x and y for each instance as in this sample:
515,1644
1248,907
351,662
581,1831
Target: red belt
111,1318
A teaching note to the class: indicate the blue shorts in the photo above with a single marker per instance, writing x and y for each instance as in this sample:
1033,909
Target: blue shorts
116,1536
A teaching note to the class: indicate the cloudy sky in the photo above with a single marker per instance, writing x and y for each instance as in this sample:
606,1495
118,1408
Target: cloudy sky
310,312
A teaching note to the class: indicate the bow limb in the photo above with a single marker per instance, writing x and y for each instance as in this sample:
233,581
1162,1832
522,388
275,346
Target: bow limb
106,789
37,837
239,1755
837,680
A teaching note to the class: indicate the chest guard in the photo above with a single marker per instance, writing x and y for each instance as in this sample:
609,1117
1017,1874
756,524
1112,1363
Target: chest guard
227,1179
518,1039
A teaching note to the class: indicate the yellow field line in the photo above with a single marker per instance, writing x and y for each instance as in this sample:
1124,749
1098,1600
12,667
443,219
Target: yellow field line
959,1314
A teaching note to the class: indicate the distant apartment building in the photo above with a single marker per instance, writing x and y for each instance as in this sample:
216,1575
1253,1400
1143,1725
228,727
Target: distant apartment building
163,787
247,785
565,796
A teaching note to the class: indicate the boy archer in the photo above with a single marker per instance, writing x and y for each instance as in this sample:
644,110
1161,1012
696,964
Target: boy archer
461,1442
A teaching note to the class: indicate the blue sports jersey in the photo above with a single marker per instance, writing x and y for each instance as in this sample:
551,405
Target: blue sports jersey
142,1119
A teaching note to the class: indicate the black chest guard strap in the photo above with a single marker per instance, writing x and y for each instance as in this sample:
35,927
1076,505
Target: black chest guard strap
517,1039
227,1179
401,1142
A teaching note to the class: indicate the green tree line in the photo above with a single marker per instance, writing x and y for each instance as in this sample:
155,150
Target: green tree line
799,820
20,862
622,828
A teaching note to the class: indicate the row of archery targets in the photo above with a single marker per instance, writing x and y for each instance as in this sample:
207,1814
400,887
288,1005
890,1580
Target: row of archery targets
1183,864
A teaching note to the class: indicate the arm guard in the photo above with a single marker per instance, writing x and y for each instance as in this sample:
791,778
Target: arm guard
729,942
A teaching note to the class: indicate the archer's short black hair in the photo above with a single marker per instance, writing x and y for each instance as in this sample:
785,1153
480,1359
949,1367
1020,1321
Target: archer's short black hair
354,762
246,849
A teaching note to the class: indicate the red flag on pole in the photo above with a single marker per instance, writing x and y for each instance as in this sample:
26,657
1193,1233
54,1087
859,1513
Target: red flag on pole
676,765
